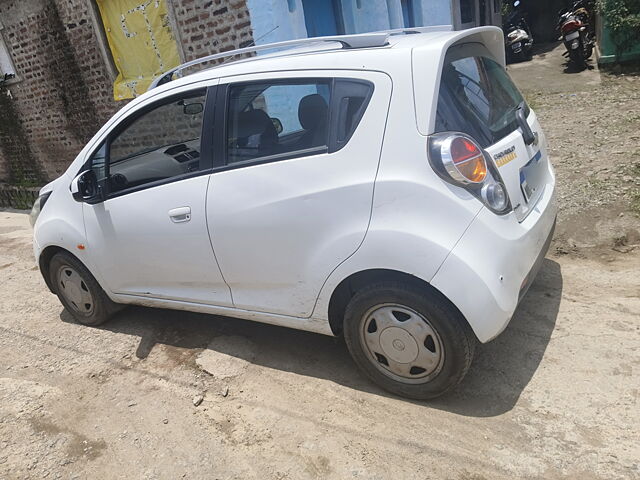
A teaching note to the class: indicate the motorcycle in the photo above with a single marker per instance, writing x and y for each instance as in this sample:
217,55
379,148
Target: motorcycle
577,33
518,39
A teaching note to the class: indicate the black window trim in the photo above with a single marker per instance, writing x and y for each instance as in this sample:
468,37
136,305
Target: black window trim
206,140
220,159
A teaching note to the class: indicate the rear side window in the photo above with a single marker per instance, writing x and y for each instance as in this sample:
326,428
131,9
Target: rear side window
476,96
278,120
351,100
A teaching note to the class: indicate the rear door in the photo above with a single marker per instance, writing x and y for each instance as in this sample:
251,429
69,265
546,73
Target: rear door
292,198
478,98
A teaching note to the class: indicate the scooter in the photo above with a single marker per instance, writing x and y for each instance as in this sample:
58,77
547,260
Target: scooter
576,33
518,39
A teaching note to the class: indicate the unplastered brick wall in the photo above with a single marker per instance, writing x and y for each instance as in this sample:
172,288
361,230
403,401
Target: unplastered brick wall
64,91
212,26
63,94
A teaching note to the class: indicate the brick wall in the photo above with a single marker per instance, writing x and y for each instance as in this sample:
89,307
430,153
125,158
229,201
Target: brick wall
212,26
65,93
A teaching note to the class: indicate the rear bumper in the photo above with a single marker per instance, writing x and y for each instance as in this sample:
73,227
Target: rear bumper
494,263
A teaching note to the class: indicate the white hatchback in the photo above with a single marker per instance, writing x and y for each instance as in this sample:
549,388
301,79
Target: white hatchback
391,187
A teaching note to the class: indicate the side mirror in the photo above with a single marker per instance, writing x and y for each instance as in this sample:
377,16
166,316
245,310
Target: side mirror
85,188
278,124
192,108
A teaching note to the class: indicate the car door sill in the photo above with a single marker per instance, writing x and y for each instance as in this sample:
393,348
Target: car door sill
308,324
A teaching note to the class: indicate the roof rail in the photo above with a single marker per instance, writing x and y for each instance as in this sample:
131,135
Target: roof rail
432,28
360,40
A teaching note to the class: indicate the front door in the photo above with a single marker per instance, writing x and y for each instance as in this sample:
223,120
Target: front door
293,198
149,237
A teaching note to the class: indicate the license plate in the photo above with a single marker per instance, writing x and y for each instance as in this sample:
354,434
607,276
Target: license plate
532,177
571,36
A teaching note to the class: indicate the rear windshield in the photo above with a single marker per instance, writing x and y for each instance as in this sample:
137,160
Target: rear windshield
476,97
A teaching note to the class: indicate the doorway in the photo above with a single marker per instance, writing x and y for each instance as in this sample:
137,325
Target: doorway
322,18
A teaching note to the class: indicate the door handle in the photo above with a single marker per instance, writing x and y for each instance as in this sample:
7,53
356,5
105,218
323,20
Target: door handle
180,214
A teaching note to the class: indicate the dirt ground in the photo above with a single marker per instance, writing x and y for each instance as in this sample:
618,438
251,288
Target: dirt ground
555,396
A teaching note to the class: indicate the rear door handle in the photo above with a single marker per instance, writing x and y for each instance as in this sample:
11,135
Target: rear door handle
180,214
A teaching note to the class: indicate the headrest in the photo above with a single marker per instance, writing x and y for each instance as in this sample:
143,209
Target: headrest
312,111
250,123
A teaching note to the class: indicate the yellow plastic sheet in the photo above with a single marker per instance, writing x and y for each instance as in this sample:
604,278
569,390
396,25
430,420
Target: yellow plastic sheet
141,42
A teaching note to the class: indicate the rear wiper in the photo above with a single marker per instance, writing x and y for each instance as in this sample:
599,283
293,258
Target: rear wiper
527,134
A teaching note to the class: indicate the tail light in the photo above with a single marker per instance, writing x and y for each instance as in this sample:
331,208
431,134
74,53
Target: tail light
570,26
459,160
463,159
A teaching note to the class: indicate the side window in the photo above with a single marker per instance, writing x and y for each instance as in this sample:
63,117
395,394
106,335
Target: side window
161,143
352,98
266,119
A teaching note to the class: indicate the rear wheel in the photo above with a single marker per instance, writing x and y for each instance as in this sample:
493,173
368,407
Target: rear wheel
409,341
576,56
79,291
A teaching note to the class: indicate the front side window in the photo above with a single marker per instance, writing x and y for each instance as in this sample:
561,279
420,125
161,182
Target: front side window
162,143
476,96
277,119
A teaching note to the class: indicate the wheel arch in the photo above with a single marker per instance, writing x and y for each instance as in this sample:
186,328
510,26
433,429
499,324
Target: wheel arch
45,260
347,288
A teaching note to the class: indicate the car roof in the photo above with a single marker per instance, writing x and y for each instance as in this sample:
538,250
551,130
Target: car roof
325,53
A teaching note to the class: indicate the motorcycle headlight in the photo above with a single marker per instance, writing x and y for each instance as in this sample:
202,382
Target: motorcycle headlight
512,35
38,205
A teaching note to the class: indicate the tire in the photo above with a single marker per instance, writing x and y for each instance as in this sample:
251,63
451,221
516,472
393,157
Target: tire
576,57
401,321
79,292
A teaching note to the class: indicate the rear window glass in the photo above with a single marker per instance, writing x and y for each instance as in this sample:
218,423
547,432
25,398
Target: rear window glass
476,96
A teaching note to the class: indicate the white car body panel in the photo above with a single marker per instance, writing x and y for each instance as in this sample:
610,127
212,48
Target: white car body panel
271,242
280,228
150,254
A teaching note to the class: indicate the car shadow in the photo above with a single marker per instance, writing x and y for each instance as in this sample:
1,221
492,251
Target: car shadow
500,372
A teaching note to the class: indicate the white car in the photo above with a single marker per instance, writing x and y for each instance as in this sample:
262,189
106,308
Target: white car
390,187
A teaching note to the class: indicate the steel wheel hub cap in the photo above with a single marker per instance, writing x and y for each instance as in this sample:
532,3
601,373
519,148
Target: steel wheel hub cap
401,343
75,290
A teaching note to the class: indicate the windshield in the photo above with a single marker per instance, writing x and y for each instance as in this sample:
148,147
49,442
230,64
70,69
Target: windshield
476,96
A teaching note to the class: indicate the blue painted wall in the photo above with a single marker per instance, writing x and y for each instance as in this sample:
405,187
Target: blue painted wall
279,20
430,12
365,15
276,20
358,16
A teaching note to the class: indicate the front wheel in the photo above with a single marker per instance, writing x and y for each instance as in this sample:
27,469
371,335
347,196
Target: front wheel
409,341
79,291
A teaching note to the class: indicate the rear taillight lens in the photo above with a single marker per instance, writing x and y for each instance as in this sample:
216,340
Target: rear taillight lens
458,159
463,159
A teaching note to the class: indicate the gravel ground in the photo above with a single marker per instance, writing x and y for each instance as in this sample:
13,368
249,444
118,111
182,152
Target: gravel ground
165,394
592,123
